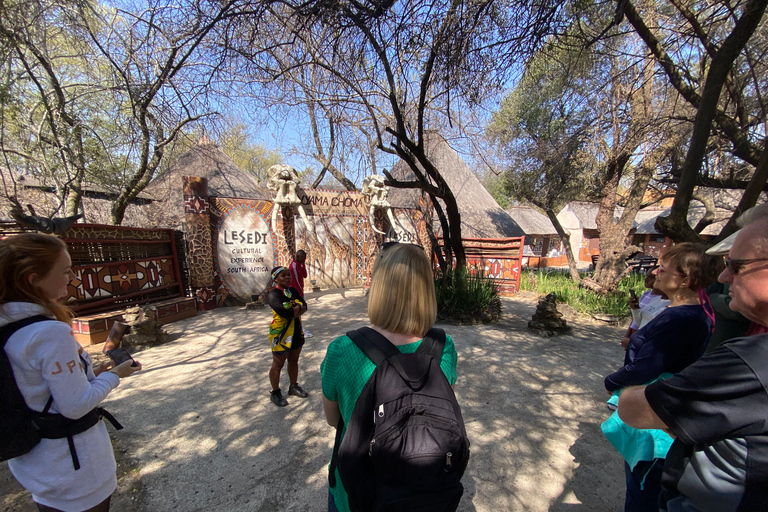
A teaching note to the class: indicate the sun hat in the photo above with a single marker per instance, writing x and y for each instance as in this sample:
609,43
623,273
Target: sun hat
723,247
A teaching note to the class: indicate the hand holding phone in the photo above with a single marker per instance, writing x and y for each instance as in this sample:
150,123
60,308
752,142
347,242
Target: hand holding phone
126,368
120,355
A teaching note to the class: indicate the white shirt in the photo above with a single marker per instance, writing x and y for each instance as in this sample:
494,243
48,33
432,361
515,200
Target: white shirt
45,358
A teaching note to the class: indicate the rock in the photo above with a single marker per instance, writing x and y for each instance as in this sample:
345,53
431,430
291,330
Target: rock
547,321
145,328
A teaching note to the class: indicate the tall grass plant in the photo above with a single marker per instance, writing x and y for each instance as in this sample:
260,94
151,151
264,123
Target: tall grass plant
466,298
582,300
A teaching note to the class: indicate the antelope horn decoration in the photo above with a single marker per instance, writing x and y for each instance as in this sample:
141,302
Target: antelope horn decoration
308,225
395,224
373,221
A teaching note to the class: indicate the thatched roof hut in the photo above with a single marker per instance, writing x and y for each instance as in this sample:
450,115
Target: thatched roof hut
532,222
205,160
481,215
724,200
583,215
41,194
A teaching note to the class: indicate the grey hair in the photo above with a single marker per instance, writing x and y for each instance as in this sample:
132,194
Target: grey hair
754,215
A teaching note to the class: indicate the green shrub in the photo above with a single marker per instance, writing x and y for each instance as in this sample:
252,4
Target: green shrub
465,298
581,299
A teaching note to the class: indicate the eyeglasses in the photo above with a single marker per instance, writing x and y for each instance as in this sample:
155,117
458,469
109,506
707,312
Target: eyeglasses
734,266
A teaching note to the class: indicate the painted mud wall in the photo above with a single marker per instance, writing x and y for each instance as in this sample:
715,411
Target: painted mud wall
232,261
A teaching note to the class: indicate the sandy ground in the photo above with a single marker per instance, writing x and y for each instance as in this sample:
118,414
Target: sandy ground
201,434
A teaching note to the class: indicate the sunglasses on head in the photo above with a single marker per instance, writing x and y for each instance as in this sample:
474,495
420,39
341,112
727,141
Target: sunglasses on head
734,266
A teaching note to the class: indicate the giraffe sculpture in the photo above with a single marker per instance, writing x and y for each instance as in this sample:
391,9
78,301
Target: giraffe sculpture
339,252
315,251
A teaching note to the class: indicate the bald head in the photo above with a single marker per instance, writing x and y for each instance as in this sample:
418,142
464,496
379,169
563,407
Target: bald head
748,278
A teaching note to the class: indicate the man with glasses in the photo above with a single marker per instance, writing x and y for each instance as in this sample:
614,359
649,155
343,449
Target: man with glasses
717,408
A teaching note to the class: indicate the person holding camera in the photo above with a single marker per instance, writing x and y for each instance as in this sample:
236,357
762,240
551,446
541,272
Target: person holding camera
56,378
651,303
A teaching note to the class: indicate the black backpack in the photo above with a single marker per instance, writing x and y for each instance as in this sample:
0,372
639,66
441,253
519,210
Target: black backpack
405,447
21,428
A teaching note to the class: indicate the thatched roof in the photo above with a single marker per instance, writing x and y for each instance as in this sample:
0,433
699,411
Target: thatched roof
97,200
586,213
481,215
645,219
531,221
205,160
725,201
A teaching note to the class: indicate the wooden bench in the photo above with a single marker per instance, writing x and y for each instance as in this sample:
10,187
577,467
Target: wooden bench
93,329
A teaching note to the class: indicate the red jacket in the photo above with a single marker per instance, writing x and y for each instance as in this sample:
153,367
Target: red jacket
298,273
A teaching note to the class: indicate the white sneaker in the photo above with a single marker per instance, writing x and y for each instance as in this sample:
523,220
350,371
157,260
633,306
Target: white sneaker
308,334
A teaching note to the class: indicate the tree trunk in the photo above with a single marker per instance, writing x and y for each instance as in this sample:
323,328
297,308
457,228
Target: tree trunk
566,239
751,194
422,167
611,264
426,215
676,224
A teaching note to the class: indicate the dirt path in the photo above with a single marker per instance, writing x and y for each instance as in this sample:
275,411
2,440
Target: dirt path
201,434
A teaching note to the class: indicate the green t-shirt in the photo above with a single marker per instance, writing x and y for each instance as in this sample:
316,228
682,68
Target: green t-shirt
345,371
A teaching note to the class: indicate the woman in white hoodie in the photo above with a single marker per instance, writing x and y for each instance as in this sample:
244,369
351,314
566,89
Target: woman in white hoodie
51,370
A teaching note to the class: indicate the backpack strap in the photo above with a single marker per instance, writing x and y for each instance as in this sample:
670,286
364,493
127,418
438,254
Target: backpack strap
56,426
7,330
374,345
5,334
335,454
377,348
433,343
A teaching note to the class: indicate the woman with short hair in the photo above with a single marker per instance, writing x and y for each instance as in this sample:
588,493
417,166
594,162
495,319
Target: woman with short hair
670,342
402,307
55,376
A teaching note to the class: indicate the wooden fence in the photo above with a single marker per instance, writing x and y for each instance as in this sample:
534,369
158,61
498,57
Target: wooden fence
119,266
496,258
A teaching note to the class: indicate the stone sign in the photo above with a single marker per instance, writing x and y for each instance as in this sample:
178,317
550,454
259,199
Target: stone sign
246,252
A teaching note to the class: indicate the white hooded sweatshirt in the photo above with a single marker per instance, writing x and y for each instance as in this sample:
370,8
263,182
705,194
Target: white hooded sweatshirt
45,358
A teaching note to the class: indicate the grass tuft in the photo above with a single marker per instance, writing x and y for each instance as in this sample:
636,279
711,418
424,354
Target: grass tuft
466,298
581,299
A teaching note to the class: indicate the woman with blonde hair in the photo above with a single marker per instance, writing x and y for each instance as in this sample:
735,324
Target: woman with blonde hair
401,307
72,468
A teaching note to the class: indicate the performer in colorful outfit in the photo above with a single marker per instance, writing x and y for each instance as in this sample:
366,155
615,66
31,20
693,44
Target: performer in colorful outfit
285,335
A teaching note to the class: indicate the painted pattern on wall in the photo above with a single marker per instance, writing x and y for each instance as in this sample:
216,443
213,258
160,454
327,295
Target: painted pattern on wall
121,278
